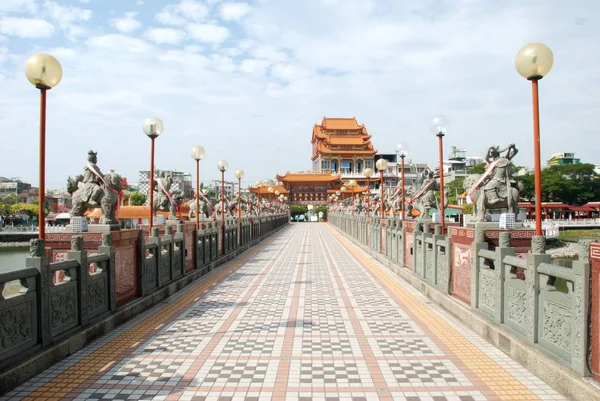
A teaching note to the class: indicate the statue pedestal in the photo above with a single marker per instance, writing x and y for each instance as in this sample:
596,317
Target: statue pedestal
103,228
173,222
491,225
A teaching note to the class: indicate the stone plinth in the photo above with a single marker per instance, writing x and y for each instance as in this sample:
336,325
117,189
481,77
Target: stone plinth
462,239
595,261
125,243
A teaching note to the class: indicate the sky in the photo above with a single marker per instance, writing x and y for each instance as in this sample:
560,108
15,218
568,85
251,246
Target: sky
248,80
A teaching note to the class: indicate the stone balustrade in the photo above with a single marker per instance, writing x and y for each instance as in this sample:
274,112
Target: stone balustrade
50,301
503,276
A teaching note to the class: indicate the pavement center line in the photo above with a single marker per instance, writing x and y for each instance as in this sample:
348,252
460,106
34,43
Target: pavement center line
368,355
505,385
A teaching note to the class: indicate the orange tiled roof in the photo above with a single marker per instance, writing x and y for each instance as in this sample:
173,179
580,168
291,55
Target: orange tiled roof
295,177
264,190
136,212
340,123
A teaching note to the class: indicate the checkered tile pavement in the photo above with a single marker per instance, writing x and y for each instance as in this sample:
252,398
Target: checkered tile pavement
302,317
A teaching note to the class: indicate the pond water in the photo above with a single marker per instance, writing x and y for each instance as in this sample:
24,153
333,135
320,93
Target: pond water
13,258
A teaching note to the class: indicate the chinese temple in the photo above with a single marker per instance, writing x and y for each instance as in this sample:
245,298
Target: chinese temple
341,146
315,188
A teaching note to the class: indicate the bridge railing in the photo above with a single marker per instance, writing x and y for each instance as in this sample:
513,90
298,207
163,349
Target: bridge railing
542,303
48,302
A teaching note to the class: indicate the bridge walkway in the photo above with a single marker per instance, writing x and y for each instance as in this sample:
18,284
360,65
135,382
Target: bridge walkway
304,316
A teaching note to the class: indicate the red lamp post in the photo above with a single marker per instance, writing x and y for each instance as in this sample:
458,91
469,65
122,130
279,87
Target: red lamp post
222,165
533,62
153,127
239,174
197,154
44,72
440,126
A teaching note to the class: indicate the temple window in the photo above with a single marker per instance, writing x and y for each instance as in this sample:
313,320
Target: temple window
369,164
359,166
346,167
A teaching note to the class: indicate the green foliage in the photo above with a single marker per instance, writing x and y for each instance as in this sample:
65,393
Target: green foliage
27,208
298,209
321,209
577,235
137,199
469,209
10,199
454,188
477,169
573,184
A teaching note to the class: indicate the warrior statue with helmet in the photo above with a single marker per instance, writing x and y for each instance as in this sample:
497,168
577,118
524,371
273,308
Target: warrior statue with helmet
495,189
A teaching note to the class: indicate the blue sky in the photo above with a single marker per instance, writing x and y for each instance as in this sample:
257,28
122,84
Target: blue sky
247,80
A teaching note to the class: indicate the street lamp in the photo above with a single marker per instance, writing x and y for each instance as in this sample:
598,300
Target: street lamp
239,174
402,153
381,166
440,126
222,165
197,154
44,72
533,62
153,127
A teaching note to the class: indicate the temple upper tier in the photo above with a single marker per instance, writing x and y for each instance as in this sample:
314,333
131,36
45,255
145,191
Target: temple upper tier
341,146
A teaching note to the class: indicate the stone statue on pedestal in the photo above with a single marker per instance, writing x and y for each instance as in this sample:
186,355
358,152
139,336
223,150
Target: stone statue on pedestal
495,189
424,200
165,199
93,189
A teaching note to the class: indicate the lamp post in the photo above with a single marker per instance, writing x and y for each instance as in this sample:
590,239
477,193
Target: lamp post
222,165
381,166
368,172
533,62
440,126
239,174
197,154
44,72
153,127
402,153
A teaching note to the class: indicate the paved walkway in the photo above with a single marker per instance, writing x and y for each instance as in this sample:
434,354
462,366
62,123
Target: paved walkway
304,316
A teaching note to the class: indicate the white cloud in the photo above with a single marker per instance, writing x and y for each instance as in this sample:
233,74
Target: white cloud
17,6
69,18
208,33
391,64
26,27
126,24
180,13
165,35
120,43
234,11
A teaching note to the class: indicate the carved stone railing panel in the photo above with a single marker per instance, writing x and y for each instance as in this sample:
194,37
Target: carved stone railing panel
64,302
518,298
177,269
150,268
98,287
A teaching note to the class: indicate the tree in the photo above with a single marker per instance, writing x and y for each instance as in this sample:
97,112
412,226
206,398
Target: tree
573,184
11,199
137,198
455,188
477,169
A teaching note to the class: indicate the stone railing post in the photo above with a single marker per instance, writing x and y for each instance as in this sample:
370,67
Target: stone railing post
478,244
77,253
534,258
39,260
503,249
108,249
581,288
418,248
400,243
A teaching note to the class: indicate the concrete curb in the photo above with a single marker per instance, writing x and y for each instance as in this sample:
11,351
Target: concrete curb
31,367
559,377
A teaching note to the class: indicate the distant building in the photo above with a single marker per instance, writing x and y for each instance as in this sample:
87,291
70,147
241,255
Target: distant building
561,159
14,186
182,182
458,164
341,146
